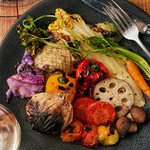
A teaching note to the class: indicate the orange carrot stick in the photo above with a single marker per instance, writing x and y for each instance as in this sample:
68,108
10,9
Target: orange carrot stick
137,77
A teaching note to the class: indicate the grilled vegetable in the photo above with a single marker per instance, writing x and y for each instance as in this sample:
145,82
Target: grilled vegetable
72,132
74,26
79,31
133,128
89,136
28,80
108,135
137,77
138,114
122,126
27,31
25,85
79,108
54,58
100,113
116,69
49,113
61,83
108,30
116,92
87,75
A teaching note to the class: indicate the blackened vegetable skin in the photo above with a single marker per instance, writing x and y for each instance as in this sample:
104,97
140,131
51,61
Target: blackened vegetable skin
105,33
48,122
49,113
88,74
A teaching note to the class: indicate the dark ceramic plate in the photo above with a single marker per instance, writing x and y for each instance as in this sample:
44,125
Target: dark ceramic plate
11,52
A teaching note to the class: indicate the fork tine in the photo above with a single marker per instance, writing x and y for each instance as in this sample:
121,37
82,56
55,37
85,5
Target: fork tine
132,31
127,16
107,10
120,17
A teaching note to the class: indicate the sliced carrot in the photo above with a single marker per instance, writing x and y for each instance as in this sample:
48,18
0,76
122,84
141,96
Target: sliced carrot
100,113
79,108
137,77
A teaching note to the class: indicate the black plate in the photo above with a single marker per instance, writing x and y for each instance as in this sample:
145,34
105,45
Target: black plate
11,52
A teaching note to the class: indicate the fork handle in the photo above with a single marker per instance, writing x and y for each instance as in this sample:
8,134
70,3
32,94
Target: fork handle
142,46
146,30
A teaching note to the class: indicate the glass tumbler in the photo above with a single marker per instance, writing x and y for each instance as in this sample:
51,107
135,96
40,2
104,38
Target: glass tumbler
10,132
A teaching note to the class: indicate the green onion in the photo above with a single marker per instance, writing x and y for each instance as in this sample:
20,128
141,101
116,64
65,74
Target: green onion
33,39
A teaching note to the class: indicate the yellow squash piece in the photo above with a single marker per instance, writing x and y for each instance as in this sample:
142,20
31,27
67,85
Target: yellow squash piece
61,83
108,135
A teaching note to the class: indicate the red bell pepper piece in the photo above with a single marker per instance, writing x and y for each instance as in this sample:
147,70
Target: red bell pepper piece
72,132
87,75
89,136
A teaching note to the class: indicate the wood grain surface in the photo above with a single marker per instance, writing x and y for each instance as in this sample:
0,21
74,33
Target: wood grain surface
13,12
143,4
9,13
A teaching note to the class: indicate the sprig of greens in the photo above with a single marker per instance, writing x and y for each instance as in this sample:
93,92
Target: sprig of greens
34,38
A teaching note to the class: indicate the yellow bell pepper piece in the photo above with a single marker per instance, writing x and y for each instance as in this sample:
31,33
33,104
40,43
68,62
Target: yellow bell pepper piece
53,85
106,137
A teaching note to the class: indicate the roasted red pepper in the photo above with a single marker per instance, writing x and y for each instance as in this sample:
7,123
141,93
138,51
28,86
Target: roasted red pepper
89,136
72,132
87,75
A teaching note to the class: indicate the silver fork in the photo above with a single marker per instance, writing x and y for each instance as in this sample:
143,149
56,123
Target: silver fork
124,24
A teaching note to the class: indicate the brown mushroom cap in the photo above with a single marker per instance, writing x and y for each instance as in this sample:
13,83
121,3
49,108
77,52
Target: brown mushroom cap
138,114
133,127
122,126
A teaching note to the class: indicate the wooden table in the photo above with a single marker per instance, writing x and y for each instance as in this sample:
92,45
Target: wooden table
14,12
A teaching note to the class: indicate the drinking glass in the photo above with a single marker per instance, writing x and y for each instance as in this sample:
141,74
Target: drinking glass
10,132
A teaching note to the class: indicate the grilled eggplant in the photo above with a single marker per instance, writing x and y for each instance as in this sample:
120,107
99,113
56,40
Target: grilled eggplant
49,113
